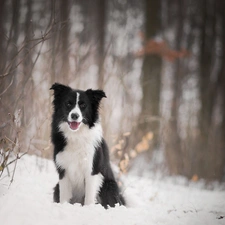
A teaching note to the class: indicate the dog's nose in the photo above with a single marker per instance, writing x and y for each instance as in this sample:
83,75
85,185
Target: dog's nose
75,116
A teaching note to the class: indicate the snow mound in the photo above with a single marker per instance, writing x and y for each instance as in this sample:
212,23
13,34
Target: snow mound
29,201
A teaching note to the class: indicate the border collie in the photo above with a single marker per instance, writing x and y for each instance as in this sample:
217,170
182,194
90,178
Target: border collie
81,154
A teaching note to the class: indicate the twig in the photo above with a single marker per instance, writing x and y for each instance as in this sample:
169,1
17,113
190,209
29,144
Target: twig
14,170
18,157
43,38
6,89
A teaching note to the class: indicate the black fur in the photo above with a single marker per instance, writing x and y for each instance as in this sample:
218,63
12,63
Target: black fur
56,193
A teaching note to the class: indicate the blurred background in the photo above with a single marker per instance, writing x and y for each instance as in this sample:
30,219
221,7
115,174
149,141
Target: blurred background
161,64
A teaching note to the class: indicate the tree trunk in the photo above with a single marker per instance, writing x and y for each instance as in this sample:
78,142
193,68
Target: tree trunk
64,37
220,87
2,66
173,141
2,38
148,122
8,63
101,20
207,89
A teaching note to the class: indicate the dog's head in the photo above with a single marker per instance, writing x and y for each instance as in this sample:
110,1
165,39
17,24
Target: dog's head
76,107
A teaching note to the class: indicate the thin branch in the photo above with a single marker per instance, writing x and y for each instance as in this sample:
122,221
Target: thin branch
6,89
43,38
18,157
14,170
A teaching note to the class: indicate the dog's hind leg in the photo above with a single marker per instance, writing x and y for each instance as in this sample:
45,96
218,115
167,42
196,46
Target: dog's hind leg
56,193
110,195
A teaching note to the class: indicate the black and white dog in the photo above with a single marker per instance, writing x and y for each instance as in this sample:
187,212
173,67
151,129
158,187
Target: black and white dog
81,155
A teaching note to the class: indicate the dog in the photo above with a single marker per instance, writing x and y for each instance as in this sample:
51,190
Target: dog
81,154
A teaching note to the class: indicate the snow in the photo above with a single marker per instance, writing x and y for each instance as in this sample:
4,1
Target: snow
152,201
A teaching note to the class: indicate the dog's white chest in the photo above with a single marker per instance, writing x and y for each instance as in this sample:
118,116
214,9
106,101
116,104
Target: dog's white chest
77,159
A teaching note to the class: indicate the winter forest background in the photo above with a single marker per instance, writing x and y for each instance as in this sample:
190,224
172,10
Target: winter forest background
161,64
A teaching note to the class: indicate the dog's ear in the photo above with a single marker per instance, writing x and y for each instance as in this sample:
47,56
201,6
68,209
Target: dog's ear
95,95
59,88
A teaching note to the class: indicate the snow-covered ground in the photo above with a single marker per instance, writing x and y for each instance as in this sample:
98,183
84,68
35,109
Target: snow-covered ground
28,201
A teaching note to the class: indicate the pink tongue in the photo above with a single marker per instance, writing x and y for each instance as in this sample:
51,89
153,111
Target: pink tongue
74,125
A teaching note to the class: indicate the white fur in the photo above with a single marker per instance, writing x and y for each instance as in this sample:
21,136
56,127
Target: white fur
76,110
77,160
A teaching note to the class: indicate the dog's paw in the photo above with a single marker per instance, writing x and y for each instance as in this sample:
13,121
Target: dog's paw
89,201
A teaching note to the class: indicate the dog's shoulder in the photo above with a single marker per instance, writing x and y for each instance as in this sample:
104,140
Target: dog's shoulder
101,162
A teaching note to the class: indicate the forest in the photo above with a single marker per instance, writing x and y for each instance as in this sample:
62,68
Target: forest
160,63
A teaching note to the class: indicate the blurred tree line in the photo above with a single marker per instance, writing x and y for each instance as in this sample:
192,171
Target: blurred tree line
161,63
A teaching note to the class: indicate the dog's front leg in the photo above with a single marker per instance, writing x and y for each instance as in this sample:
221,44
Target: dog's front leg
65,188
92,185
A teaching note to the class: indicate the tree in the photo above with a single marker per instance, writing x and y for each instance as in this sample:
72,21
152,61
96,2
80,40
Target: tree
148,122
64,37
208,89
173,149
101,21
202,144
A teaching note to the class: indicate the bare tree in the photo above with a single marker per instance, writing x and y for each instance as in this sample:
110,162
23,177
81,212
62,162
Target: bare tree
64,36
148,122
101,20
16,96
173,149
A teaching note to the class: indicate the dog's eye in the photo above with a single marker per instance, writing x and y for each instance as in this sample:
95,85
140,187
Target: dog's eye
82,105
69,104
